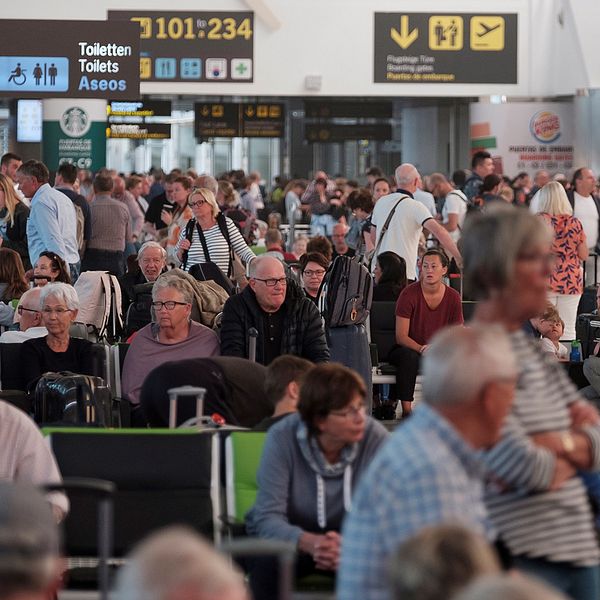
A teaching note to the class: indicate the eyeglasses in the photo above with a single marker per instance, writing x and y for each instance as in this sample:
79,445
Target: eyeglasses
197,203
20,310
272,282
169,305
318,273
57,311
350,413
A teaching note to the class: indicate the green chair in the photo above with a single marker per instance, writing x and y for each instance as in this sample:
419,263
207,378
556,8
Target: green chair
243,450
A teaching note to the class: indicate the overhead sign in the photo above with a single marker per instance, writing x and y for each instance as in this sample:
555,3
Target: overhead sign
326,109
139,131
207,46
445,48
77,59
340,133
29,121
525,136
232,119
139,108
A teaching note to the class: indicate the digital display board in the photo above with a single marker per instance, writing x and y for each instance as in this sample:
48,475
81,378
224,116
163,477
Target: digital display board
207,46
29,120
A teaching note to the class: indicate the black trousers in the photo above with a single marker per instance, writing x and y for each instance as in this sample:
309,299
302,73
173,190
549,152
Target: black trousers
104,260
407,364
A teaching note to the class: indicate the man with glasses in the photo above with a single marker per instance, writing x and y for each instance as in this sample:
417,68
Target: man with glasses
286,321
29,318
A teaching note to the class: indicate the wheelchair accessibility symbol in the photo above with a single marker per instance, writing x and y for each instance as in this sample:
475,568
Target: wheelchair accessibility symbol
17,76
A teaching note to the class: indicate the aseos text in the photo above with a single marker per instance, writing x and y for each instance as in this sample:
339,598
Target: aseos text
91,63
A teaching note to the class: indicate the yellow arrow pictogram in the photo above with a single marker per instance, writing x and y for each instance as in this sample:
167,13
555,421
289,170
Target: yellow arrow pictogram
404,38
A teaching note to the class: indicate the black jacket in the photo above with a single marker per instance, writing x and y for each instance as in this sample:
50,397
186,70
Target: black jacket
17,233
303,333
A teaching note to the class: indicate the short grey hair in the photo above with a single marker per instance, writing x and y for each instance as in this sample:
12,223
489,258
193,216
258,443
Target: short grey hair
405,174
439,561
491,244
255,263
176,282
509,587
148,245
486,350
32,297
207,181
173,559
61,291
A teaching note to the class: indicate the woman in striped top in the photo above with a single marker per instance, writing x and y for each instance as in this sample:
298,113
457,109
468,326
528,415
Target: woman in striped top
213,235
177,220
537,501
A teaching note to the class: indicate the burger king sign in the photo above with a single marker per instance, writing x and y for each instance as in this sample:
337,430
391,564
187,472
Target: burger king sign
545,126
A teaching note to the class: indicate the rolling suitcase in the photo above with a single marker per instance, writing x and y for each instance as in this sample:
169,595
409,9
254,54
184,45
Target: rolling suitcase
588,333
350,346
588,303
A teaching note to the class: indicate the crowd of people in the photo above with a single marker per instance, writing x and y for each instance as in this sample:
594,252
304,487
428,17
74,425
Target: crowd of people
494,470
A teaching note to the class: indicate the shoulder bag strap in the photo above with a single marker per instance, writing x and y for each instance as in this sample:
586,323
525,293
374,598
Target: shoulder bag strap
386,226
221,221
189,232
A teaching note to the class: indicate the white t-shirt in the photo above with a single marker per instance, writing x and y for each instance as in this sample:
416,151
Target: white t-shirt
455,204
586,211
427,199
17,337
404,231
562,352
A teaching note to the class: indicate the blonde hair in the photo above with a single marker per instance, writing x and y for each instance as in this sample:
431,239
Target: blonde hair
10,199
553,200
208,197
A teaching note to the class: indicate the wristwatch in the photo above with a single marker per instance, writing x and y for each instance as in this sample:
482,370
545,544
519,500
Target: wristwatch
568,441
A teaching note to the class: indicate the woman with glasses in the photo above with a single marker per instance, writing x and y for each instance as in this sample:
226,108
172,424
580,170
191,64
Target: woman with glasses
211,236
12,283
311,463
313,267
50,267
57,351
171,336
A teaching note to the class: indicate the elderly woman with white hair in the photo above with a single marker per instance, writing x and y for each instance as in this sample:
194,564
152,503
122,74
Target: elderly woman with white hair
569,248
172,336
539,505
57,351
210,236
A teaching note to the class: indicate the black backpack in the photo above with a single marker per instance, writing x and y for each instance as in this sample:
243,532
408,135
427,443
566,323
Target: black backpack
69,398
346,293
139,312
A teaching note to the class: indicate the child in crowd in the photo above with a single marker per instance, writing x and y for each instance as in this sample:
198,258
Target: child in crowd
552,335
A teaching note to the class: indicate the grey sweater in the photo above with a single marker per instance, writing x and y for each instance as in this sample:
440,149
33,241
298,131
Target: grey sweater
299,492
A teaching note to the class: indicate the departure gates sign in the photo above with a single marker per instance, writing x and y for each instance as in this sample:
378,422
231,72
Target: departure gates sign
445,48
191,46
75,59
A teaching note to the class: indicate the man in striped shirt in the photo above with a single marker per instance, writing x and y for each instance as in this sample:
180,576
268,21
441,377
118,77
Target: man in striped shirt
538,503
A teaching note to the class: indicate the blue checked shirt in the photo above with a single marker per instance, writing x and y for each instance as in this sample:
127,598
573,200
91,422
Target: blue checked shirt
425,475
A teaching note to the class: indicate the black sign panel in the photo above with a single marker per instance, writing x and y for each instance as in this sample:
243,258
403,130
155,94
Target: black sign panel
217,120
73,59
231,119
340,133
323,109
205,46
139,108
445,48
262,120
139,131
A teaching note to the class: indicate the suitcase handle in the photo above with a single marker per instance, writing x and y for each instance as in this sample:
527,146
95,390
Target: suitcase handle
186,390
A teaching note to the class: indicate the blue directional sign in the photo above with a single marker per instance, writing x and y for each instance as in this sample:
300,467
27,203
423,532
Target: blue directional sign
34,73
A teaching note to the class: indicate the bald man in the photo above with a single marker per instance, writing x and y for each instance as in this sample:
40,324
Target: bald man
29,317
409,219
286,320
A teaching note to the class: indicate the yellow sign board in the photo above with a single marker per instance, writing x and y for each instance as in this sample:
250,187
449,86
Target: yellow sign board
145,68
487,32
446,32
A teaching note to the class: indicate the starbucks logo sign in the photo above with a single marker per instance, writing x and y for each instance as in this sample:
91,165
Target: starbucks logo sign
75,122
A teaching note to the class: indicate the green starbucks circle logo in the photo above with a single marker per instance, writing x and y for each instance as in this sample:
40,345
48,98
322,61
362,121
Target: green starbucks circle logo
75,122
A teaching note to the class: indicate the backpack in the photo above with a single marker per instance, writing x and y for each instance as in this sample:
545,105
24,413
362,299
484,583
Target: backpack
100,307
80,227
345,293
139,313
